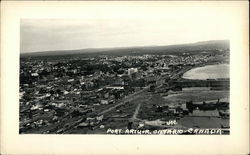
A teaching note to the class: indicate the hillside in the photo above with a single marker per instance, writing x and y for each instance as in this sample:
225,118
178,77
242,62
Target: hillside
195,47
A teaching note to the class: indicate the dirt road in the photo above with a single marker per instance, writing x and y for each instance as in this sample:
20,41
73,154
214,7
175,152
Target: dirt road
136,112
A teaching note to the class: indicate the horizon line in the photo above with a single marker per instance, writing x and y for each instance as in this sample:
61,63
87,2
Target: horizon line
107,47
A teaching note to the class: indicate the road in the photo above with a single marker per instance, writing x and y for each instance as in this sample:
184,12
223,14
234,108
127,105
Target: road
174,75
136,94
77,120
136,112
126,99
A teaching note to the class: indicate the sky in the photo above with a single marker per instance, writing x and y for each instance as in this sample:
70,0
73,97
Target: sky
158,28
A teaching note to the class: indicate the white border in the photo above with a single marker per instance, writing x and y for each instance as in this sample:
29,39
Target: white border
235,13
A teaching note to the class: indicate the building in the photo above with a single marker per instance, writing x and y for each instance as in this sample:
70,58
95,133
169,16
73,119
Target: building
132,70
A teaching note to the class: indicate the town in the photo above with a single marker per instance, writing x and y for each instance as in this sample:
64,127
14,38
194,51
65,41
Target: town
87,94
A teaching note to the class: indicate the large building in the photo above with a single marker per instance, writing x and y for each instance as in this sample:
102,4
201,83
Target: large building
132,70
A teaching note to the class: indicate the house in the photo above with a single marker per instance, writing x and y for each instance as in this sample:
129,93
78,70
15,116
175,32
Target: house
35,74
104,102
115,87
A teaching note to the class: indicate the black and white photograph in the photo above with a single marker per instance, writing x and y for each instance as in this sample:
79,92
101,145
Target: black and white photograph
123,76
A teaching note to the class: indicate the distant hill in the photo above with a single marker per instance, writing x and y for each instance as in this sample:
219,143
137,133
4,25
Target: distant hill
198,46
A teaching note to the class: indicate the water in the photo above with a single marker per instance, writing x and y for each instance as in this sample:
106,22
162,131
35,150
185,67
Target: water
208,72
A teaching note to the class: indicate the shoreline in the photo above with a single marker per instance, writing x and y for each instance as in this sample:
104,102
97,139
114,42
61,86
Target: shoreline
193,71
